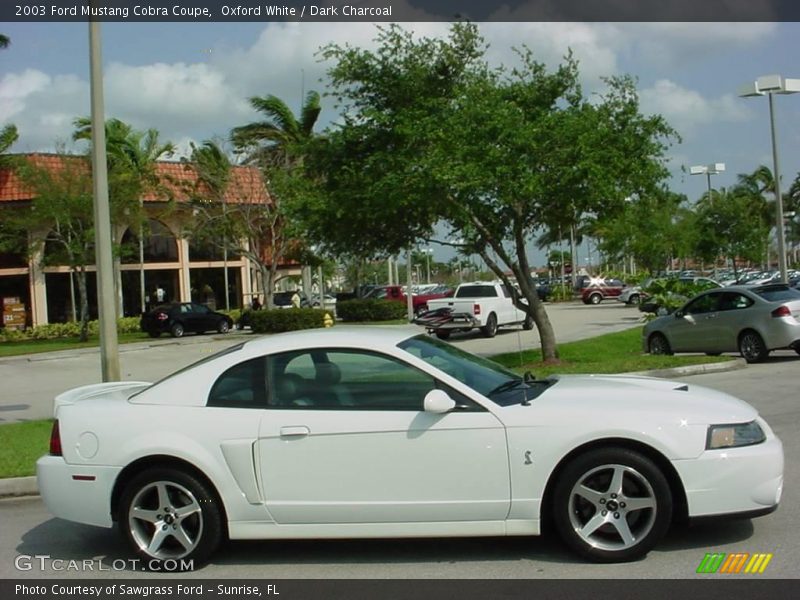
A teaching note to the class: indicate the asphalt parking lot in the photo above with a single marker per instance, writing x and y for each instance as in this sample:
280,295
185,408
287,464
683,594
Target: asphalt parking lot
29,530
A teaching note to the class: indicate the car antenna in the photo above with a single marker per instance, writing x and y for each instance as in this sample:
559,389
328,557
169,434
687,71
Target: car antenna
528,376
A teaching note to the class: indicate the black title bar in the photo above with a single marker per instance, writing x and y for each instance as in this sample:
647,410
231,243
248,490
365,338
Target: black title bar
399,10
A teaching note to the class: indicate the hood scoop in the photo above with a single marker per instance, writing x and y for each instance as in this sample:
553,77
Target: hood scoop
682,388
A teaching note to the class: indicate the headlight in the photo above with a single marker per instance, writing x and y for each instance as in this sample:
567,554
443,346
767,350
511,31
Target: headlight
731,436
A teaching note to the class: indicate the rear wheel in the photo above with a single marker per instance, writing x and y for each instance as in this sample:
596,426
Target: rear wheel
658,344
612,505
154,334
490,329
528,324
752,347
596,298
177,330
443,334
169,515
223,326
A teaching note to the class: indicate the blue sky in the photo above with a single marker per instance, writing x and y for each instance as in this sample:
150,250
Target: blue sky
191,81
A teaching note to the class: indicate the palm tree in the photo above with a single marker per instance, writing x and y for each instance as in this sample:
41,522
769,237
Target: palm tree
131,156
756,185
8,135
279,142
278,139
5,41
213,168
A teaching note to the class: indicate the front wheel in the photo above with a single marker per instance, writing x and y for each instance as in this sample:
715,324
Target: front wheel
612,505
443,334
596,298
634,299
490,329
752,347
177,330
223,326
169,515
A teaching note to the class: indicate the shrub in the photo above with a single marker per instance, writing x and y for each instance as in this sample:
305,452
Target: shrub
70,329
371,309
290,319
561,293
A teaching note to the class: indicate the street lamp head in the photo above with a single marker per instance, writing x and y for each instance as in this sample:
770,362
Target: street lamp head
770,84
712,169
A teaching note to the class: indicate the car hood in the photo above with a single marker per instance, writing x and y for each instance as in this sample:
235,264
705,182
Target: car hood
620,396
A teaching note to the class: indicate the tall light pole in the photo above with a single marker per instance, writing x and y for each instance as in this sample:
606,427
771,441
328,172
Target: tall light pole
109,350
770,85
708,171
428,252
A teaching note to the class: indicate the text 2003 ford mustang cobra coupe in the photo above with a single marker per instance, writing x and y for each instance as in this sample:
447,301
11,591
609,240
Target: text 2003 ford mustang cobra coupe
387,433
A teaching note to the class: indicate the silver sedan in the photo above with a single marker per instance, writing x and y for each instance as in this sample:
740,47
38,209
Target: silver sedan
751,320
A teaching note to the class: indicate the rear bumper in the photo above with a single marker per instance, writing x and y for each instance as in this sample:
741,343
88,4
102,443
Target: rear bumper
76,492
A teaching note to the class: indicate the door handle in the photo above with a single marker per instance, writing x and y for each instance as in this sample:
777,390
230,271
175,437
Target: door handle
295,431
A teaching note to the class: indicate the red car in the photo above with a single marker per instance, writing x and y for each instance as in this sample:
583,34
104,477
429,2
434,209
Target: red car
597,290
397,292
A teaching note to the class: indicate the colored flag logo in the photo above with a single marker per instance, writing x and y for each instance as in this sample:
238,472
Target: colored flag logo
735,563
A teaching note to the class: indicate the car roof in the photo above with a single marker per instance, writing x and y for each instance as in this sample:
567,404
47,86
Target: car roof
352,336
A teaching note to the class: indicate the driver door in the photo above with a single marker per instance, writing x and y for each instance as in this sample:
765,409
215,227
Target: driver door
345,440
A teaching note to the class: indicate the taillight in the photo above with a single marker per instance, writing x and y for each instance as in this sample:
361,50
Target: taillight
476,309
55,440
781,311
162,316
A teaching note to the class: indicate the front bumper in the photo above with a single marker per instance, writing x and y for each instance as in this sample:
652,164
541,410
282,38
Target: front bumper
70,493
735,480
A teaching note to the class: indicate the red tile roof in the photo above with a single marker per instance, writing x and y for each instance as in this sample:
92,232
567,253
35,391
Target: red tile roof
180,179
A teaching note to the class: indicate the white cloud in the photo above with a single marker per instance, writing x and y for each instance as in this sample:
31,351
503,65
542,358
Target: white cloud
687,109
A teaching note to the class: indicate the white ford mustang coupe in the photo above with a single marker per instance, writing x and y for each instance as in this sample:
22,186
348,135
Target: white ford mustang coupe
383,432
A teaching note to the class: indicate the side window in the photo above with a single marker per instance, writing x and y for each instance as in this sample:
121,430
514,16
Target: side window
703,304
241,386
506,293
339,379
734,301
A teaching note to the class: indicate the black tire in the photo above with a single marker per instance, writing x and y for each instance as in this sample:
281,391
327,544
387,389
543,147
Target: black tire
192,512
177,330
443,334
223,326
490,329
797,349
633,299
658,344
752,346
612,505
713,353
528,324
239,325
154,334
595,298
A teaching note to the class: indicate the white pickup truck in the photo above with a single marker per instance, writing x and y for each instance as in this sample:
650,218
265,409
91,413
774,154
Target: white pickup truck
486,305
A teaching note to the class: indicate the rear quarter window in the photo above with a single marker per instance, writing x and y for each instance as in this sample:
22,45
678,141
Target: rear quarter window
477,291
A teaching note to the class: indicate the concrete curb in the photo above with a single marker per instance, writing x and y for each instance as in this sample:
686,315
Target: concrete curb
719,367
26,486
18,486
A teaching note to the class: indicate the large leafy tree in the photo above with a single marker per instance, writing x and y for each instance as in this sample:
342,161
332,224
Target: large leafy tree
62,201
431,133
8,135
733,225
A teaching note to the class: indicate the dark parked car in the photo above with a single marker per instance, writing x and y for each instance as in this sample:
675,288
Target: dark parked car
181,317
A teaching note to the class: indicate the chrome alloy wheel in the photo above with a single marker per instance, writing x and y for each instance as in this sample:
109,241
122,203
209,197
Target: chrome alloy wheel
612,507
165,520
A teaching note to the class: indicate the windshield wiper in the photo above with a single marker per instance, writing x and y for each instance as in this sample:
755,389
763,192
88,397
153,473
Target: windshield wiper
504,387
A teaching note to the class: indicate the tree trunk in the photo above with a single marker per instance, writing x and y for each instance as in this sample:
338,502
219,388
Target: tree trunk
84,300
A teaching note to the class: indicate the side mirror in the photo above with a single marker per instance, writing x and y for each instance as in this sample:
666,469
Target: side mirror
438,402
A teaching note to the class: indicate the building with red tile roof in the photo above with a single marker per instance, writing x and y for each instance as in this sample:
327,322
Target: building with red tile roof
173,266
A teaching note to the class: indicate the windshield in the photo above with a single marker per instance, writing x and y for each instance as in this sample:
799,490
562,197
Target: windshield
486,377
